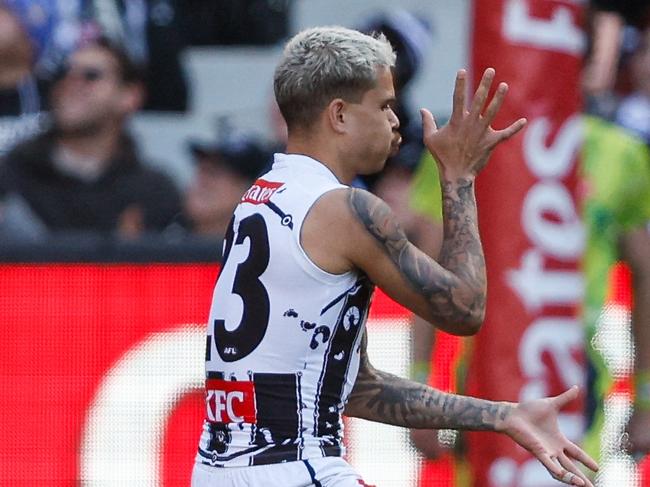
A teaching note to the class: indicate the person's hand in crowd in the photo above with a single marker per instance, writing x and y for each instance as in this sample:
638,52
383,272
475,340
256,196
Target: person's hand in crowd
638,433
600,69
427,443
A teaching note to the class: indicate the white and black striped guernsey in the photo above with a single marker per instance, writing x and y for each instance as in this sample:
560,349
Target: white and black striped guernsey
283,335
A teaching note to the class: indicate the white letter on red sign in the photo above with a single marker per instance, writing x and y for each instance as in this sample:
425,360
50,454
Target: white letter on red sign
560,33
562,239
536,286
558,159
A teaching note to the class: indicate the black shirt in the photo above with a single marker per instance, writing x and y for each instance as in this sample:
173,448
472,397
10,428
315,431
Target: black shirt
64,202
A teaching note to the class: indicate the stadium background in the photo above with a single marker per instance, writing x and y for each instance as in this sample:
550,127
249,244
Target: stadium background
101,371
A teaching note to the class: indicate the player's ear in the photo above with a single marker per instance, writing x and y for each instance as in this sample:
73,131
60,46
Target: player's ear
336,111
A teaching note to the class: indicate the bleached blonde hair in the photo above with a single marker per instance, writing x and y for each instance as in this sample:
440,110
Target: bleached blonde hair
323,63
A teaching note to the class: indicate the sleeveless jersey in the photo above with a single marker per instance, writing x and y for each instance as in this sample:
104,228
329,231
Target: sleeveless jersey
283,336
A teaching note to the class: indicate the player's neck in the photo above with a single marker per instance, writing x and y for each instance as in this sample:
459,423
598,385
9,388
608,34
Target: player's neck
323,153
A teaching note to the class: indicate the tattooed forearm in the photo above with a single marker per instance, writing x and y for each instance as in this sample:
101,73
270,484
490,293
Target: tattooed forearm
400,402
462,252
386,398
456,296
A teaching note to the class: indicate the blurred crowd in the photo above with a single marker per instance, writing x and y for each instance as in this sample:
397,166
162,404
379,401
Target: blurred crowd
73,73
616,76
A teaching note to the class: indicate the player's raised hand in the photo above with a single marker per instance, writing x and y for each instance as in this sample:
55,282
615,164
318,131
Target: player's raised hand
534,425
463,146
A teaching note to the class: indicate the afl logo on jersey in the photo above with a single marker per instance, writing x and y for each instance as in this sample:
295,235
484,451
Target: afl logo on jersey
260,192
351,318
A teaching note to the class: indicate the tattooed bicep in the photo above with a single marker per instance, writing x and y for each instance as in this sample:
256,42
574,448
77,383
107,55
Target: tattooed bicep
377,217
416,267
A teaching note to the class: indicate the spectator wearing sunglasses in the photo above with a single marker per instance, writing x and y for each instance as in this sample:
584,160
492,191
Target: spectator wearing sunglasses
84,174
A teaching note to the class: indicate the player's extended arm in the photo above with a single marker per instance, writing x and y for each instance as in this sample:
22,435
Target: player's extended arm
635,249
386,398
453,289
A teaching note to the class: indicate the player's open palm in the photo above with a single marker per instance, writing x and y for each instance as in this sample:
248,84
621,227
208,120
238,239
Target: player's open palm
533,424
462,147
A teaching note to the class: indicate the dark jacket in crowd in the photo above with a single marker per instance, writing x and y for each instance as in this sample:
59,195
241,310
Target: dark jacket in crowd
66,203
635,12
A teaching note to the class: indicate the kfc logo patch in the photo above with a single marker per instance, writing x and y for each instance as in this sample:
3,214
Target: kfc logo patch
260,192
230,401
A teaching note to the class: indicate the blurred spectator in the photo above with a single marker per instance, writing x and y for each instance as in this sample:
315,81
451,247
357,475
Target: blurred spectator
235,22
278,126
224,171
606,23
21,104
634,110
84,174
615,197
607,20
149,31
410,36
615,175
632,12
601,65
54,28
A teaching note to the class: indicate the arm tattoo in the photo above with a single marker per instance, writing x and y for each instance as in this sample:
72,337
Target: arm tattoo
386,398
455,294
462,252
